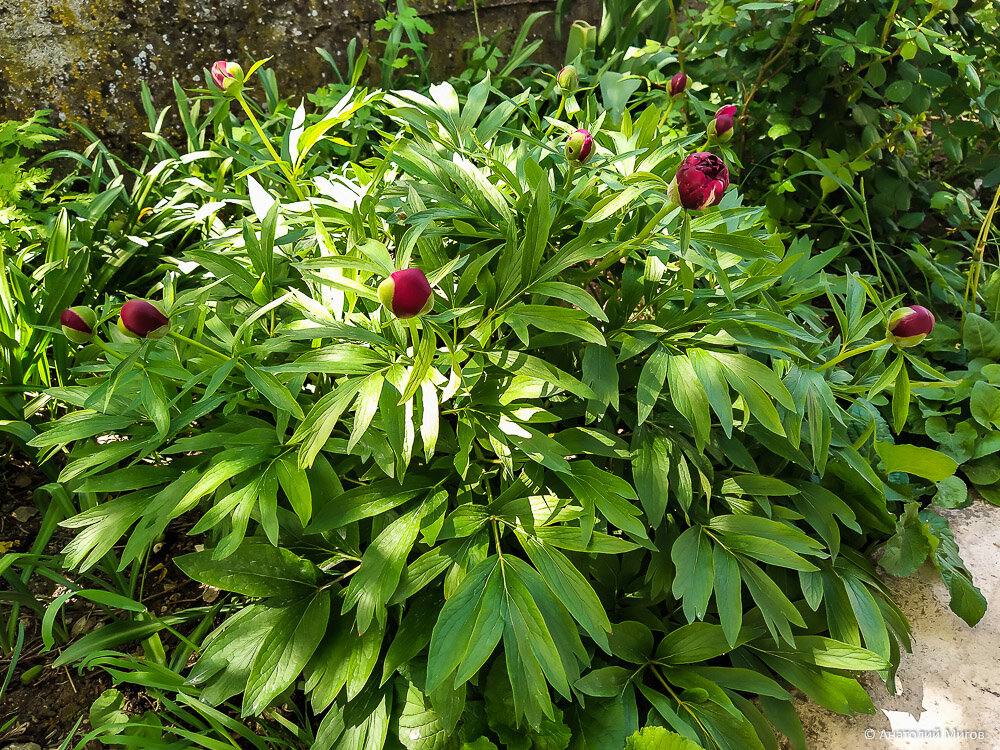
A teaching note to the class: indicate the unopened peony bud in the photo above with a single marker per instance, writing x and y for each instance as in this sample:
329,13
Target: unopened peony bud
407,293
143,320
228,76
78,323
580,146
721,127
677,84
908,326
700,181
568,79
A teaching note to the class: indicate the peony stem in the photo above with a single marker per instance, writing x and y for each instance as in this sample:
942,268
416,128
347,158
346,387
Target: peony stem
267,143
193,342
853,352
559,111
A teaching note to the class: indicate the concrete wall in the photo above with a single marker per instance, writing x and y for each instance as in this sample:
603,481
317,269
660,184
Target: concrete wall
85,59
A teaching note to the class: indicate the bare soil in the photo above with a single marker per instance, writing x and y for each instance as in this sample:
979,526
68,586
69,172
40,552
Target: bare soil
48,707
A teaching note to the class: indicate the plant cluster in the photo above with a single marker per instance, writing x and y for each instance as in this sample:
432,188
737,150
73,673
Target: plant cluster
503,413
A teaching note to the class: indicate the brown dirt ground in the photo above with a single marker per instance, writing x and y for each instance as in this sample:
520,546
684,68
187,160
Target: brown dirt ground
46,709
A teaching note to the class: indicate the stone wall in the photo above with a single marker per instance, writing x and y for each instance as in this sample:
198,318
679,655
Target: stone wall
85,59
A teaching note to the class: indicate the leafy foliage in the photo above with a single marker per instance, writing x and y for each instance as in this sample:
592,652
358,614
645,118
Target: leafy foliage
619,488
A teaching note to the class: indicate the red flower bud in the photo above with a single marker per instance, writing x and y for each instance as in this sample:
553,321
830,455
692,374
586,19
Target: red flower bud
677,84
700,181
228,76
580,146
908,326
721,126
78,323
568,79
407,293
142,319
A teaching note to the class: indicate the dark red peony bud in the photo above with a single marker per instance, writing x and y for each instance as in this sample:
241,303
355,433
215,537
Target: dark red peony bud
677,84
78,323
142,319
700,181
721,126
580,146
407,293
908,326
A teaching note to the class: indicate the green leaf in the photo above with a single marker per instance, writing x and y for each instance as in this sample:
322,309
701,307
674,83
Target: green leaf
692,643
421,727
728,592
295,484
917,460
689,397
651,380
315,429
951,493
711,375
980,337
631,641
833,654
114,636
426,350
518,363
967,601
366,406
364,502
693,558
255,569
285,651
658,738
985,404
606,682
737,244
469,626
778,612
557,320
273,390
650,474
569,587
77,426
906,550
381,566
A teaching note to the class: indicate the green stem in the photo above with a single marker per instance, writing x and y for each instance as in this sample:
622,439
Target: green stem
267,143
107,349
200,345
559,111
853,352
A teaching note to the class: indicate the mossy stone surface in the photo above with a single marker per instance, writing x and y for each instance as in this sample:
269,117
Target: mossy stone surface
85,59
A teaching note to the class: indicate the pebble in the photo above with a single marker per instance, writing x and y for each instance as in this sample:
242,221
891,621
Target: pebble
23,746
22,514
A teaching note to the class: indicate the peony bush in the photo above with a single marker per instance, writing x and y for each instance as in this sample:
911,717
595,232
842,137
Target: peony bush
519,433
